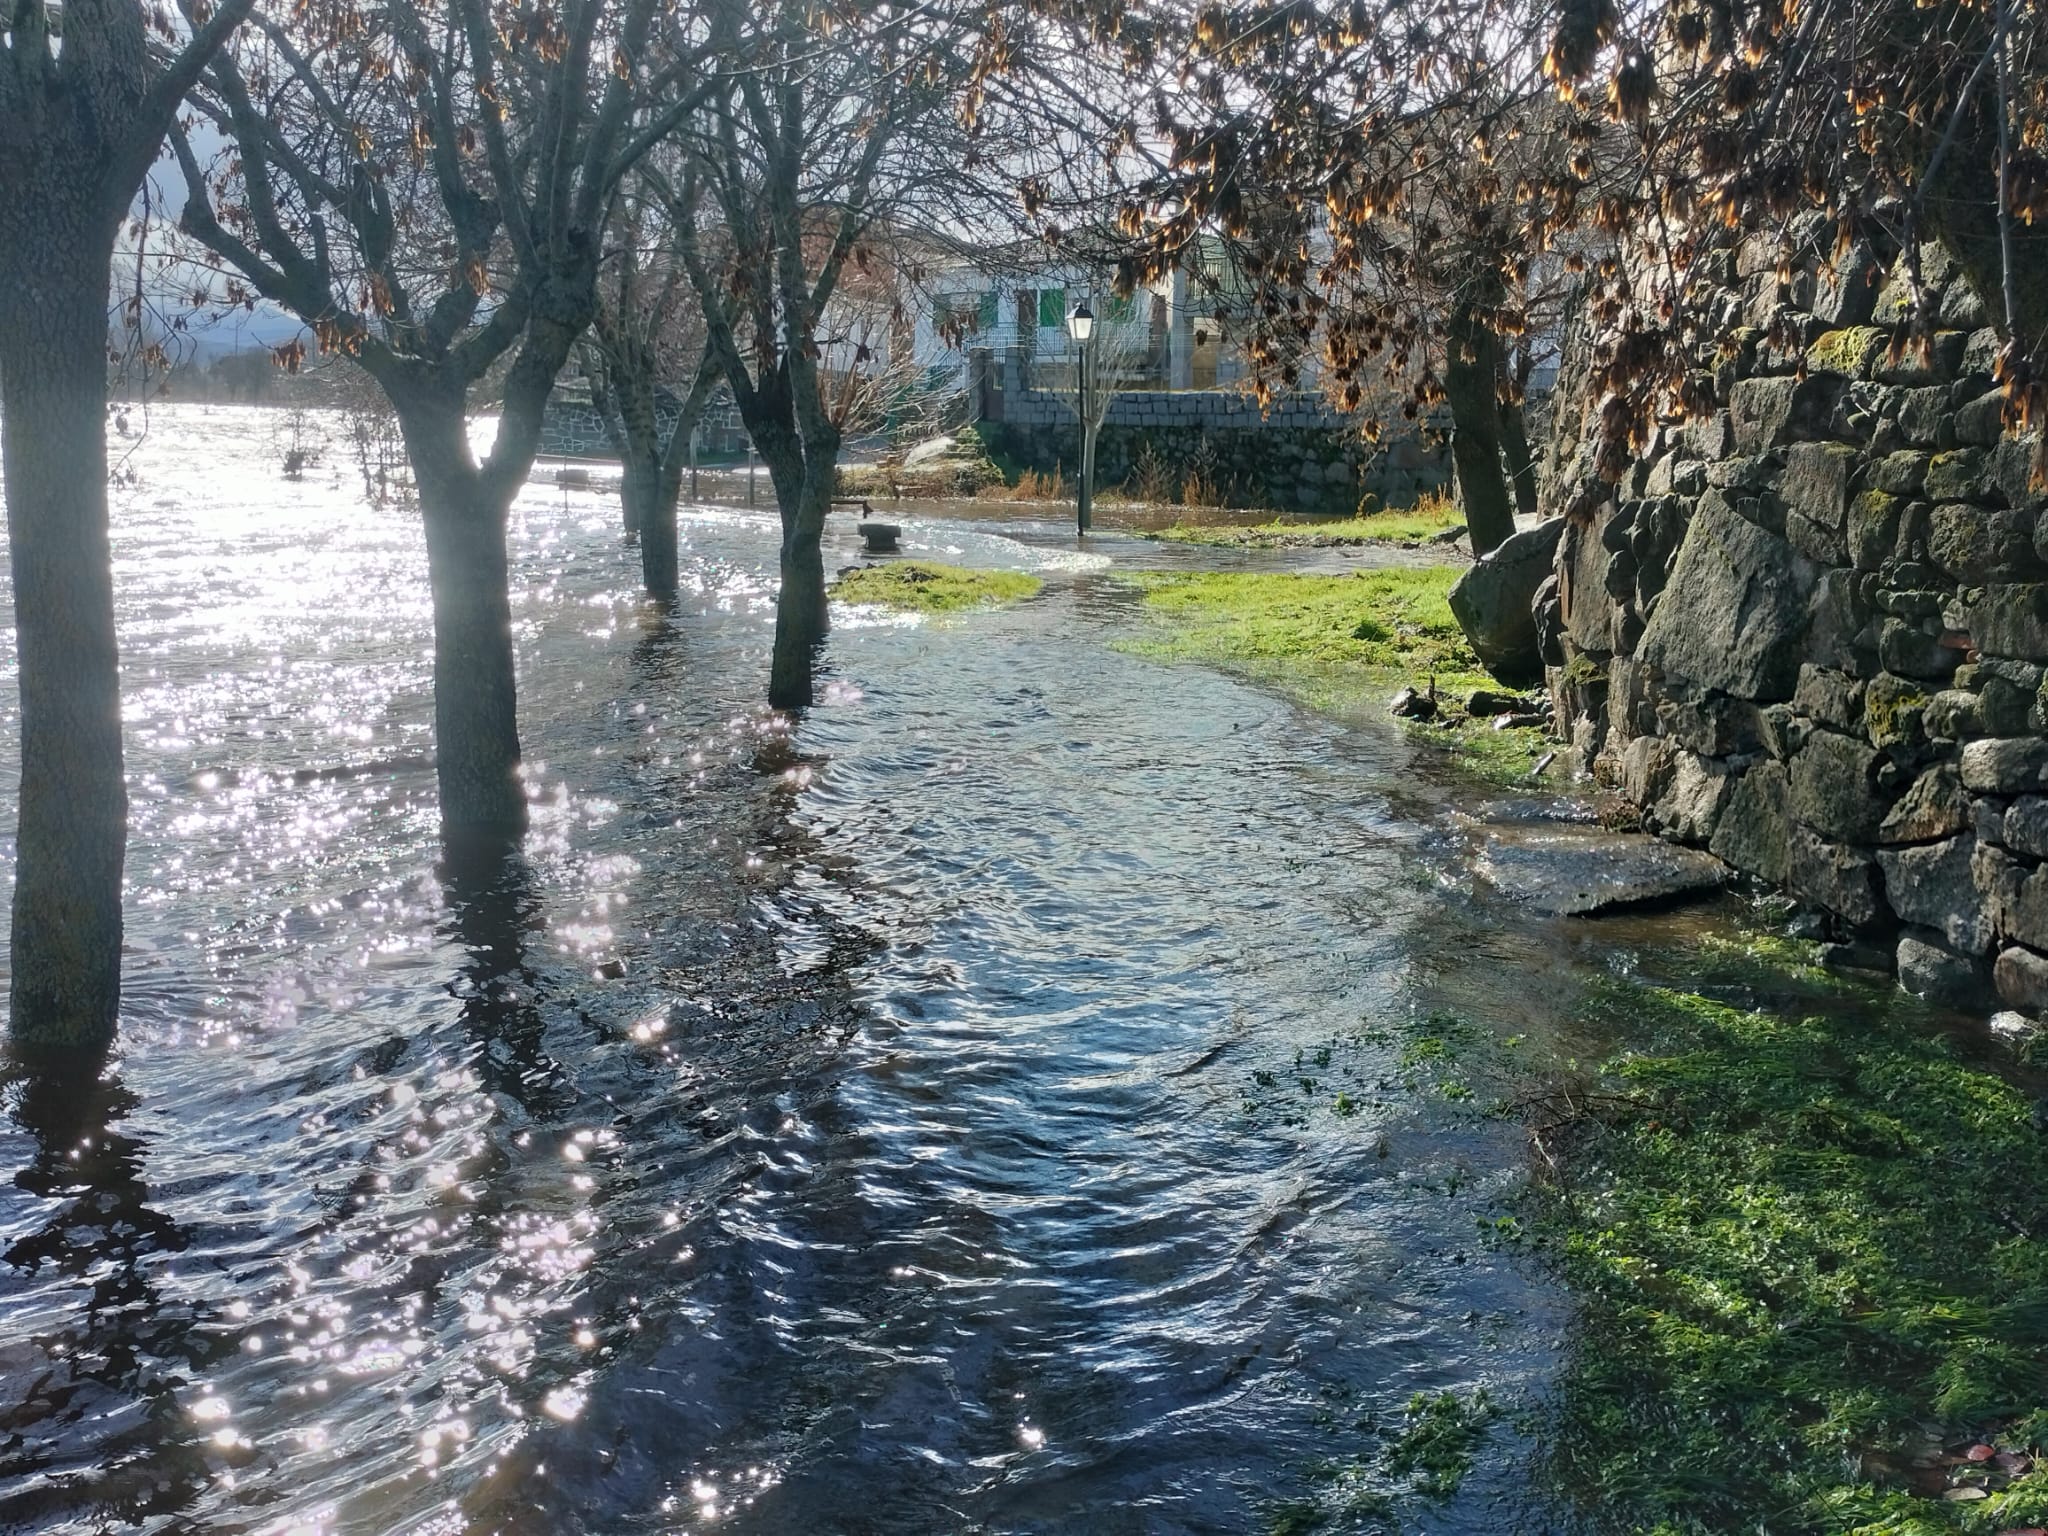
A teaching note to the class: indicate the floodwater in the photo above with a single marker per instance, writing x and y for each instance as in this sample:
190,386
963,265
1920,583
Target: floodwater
969,1108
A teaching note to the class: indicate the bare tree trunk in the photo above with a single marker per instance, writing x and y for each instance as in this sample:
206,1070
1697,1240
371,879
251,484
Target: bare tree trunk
659,572
658,546
634,395
802,473
476,709
65,986
638,489
1471,382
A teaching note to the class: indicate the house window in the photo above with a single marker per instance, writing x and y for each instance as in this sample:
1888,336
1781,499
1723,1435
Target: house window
1052,308
987,311
1120,309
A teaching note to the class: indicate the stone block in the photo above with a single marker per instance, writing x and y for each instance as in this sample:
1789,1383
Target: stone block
1833,698
1766,412
1842,879
2006,765
1900,474
1983,544
2017,899
1933,807
1987,817
2005,619
1961,474
1841,630
1785,730
1954,714
1754,830
1979,421
1689,806
2021,977
1937,360
1834,788
1872,529
1815,491
1934,886
1905,648
1745,474
1641,768
2012,469
1582,567
2026,826
1851,351
1849,294
1926,419
1736,612
1711,436
2004,709
1980,353
1892,709
1932,971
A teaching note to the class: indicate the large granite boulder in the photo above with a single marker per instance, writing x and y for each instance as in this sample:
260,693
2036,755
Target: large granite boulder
1735,612
1495,603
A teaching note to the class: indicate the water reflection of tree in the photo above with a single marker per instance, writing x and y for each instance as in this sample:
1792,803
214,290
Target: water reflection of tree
494,911
89,1422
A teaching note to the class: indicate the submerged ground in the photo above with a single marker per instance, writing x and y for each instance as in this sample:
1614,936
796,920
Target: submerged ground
1052,1087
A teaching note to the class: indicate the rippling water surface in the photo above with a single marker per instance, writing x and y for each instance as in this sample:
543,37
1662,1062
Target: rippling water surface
918,1119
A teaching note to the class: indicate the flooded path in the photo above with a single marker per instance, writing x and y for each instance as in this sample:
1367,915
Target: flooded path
979,1108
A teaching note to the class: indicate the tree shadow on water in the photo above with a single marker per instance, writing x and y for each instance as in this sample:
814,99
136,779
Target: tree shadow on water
90,1424
494,912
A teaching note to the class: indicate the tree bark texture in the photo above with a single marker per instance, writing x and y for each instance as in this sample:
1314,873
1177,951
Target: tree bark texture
476,707
802,473
65,983
1471,377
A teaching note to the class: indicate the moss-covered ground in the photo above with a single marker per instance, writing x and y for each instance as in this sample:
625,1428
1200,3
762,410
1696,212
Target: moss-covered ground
1413,525
922,586
1812,1257
1341,643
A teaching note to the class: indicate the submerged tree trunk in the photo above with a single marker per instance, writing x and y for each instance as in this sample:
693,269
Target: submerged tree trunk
801,607
1471,378
658,552
802,471
476,705
66,963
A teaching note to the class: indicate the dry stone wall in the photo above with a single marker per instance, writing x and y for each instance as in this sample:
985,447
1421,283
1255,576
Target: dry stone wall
1809,631
1297,454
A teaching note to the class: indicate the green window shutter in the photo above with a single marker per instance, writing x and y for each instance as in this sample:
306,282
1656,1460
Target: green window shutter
1052,307
988,312
1119,307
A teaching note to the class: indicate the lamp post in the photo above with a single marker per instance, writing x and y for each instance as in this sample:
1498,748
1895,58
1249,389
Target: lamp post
1081,326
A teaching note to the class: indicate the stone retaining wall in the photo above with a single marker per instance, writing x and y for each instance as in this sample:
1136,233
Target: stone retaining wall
1809,631
1298,455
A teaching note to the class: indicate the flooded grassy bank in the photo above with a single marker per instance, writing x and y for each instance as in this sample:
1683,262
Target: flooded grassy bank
1346,644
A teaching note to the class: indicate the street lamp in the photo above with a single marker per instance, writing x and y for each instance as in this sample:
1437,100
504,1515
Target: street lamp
1081,326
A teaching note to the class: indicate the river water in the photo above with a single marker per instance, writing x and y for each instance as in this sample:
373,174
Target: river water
975,1107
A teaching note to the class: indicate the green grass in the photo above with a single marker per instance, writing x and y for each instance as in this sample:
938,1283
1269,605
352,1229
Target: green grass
1799,1249
1409,526
1342,644
923,586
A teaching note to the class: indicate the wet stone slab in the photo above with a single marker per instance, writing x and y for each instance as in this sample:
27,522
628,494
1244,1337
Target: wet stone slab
1568,870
